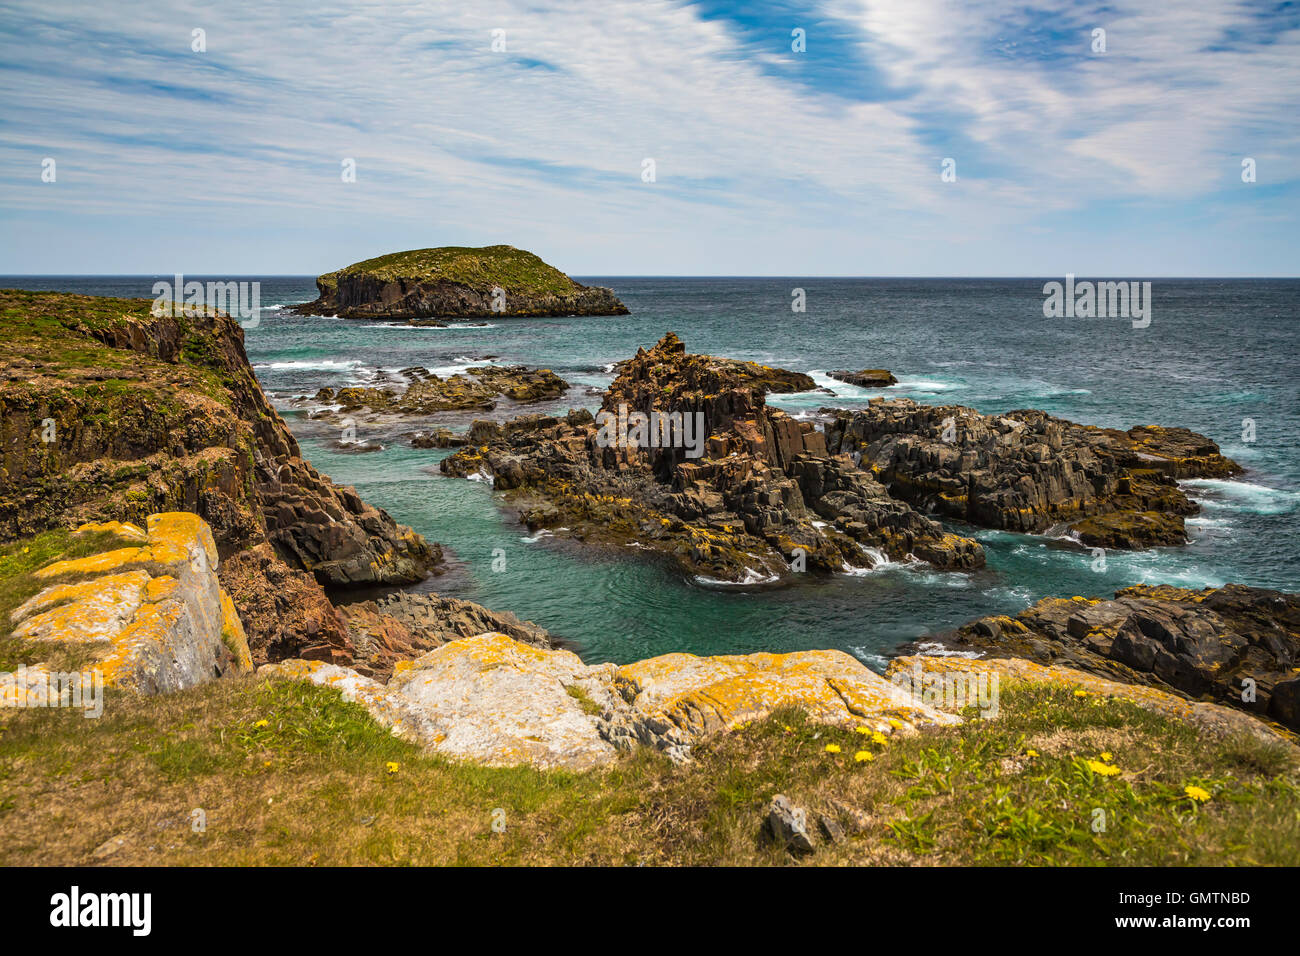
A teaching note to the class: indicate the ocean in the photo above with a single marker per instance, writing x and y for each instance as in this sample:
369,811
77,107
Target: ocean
1219,356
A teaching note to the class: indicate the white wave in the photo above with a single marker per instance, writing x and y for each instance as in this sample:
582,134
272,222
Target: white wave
471,325
870,658
318,365
751,577
542,533
1231,495
482,475
935,649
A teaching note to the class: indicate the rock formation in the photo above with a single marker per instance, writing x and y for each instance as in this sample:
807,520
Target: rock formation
427,394
1237,645
497,701
109,412
149,615
1030,472
866,378
494,281
762,498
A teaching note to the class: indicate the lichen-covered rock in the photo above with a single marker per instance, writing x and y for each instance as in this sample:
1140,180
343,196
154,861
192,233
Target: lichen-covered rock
1212,719
1237,645
152,615
495,700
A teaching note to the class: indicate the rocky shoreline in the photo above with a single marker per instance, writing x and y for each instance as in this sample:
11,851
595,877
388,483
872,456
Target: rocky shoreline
222,549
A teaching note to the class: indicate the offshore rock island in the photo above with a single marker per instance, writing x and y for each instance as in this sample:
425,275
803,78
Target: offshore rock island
456,282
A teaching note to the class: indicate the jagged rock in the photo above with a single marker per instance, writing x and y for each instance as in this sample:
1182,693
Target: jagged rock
495,700
788,825
1028,471
761,500
1205,643
403,626
493,281
439,438
150,413
1211,719
477,388
151,615
867,378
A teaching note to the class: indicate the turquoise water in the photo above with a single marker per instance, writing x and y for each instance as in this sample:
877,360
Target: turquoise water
1216,352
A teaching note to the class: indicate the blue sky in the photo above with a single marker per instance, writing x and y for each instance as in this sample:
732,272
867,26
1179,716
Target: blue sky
768,161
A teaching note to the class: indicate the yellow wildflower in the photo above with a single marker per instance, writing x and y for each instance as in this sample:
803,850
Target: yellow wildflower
862,756
1107,756
1196,793
862,730
895,723
1104,769
392,766
1080,693
1031,753
879,738
832,748
261,723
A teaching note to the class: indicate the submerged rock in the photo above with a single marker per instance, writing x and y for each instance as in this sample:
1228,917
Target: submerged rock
495,700
456,281
867,378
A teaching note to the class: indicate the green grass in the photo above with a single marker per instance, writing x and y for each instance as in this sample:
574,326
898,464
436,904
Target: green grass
514,270
289,773
19,560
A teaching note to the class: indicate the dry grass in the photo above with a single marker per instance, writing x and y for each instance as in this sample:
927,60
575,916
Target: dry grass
313,786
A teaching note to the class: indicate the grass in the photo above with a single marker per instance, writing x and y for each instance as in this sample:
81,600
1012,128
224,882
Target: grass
288,773
19,560
515,270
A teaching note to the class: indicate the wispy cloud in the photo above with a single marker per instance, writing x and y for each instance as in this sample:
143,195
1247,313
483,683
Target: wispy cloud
767,159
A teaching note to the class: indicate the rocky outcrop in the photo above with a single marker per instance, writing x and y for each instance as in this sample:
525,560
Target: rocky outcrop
149,616
427,394
456,281
497,701
1030,472
917,675
1236,645
729,488
866,378
110,412
403,626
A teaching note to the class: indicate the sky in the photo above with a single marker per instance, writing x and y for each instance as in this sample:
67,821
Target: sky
535,124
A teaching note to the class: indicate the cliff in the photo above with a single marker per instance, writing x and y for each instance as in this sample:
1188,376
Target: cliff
110,413
456,281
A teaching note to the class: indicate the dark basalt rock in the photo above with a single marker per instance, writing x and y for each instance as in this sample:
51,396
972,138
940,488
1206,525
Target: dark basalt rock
1028,471
1219,644
764,496
867,378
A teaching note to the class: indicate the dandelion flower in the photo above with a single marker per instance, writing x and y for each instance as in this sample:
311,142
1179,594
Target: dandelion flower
862,756
392,766
261,723
1107,756
862,730
1080,693
895,723
1104,769
832,748
1196,793
1031,753
879,738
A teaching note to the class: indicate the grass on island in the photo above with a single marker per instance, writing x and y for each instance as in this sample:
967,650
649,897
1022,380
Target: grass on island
516,271
288,773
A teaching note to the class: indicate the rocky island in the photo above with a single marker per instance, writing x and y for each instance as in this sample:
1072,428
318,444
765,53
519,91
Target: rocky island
456,281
